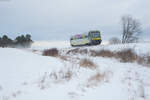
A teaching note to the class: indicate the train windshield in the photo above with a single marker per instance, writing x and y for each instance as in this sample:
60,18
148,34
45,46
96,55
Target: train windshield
95,35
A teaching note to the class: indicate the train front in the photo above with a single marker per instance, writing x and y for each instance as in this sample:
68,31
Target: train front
95,37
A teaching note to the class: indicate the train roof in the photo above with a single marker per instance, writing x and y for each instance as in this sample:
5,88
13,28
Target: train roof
78,35
83,34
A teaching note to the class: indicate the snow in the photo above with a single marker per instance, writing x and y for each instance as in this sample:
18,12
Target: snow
40,45
139,48
27,75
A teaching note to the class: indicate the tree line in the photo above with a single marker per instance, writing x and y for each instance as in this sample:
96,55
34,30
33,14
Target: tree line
19,41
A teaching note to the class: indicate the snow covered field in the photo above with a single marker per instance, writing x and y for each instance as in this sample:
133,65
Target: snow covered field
27,75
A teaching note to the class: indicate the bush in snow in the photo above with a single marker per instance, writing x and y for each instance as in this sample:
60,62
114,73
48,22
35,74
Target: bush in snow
77,51
148,60
103,53
87,63
51,52
127,55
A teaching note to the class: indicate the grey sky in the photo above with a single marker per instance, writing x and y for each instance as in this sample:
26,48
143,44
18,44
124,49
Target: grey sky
59,19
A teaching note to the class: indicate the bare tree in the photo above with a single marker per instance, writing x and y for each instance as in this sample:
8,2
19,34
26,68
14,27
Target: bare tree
114,40
131,29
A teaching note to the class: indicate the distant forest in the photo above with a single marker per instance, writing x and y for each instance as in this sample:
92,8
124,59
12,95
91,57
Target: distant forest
19,41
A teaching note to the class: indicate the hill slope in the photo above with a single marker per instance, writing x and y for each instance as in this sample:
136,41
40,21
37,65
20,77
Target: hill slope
25,75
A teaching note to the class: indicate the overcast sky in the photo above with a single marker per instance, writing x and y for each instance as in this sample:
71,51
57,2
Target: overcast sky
59,19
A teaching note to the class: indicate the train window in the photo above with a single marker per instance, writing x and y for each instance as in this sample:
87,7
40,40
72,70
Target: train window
95,35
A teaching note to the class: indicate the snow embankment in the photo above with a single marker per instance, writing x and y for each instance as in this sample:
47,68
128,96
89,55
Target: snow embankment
17,67
140,48
25,75
41,45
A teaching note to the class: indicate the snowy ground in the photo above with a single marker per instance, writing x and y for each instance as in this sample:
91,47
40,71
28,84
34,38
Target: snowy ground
26,75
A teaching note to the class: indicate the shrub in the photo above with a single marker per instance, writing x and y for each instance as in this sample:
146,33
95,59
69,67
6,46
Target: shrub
51,52
73,51
77,51
148,59
145,60
127,55
87,63
140,60
105,53
83,51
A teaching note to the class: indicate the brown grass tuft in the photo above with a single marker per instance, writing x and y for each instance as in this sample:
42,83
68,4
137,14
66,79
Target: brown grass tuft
68,75
104,53
148,59
95,79
127,55
73,51
77,51
87,63
51,52
65,58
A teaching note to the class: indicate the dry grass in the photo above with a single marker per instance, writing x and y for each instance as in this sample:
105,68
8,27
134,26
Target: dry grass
65,58
140,60
127,55
56,77
73,51
148,59
86,63
95,79
83,51
77,51
61,76
103,53
51,52
145,60
68,75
